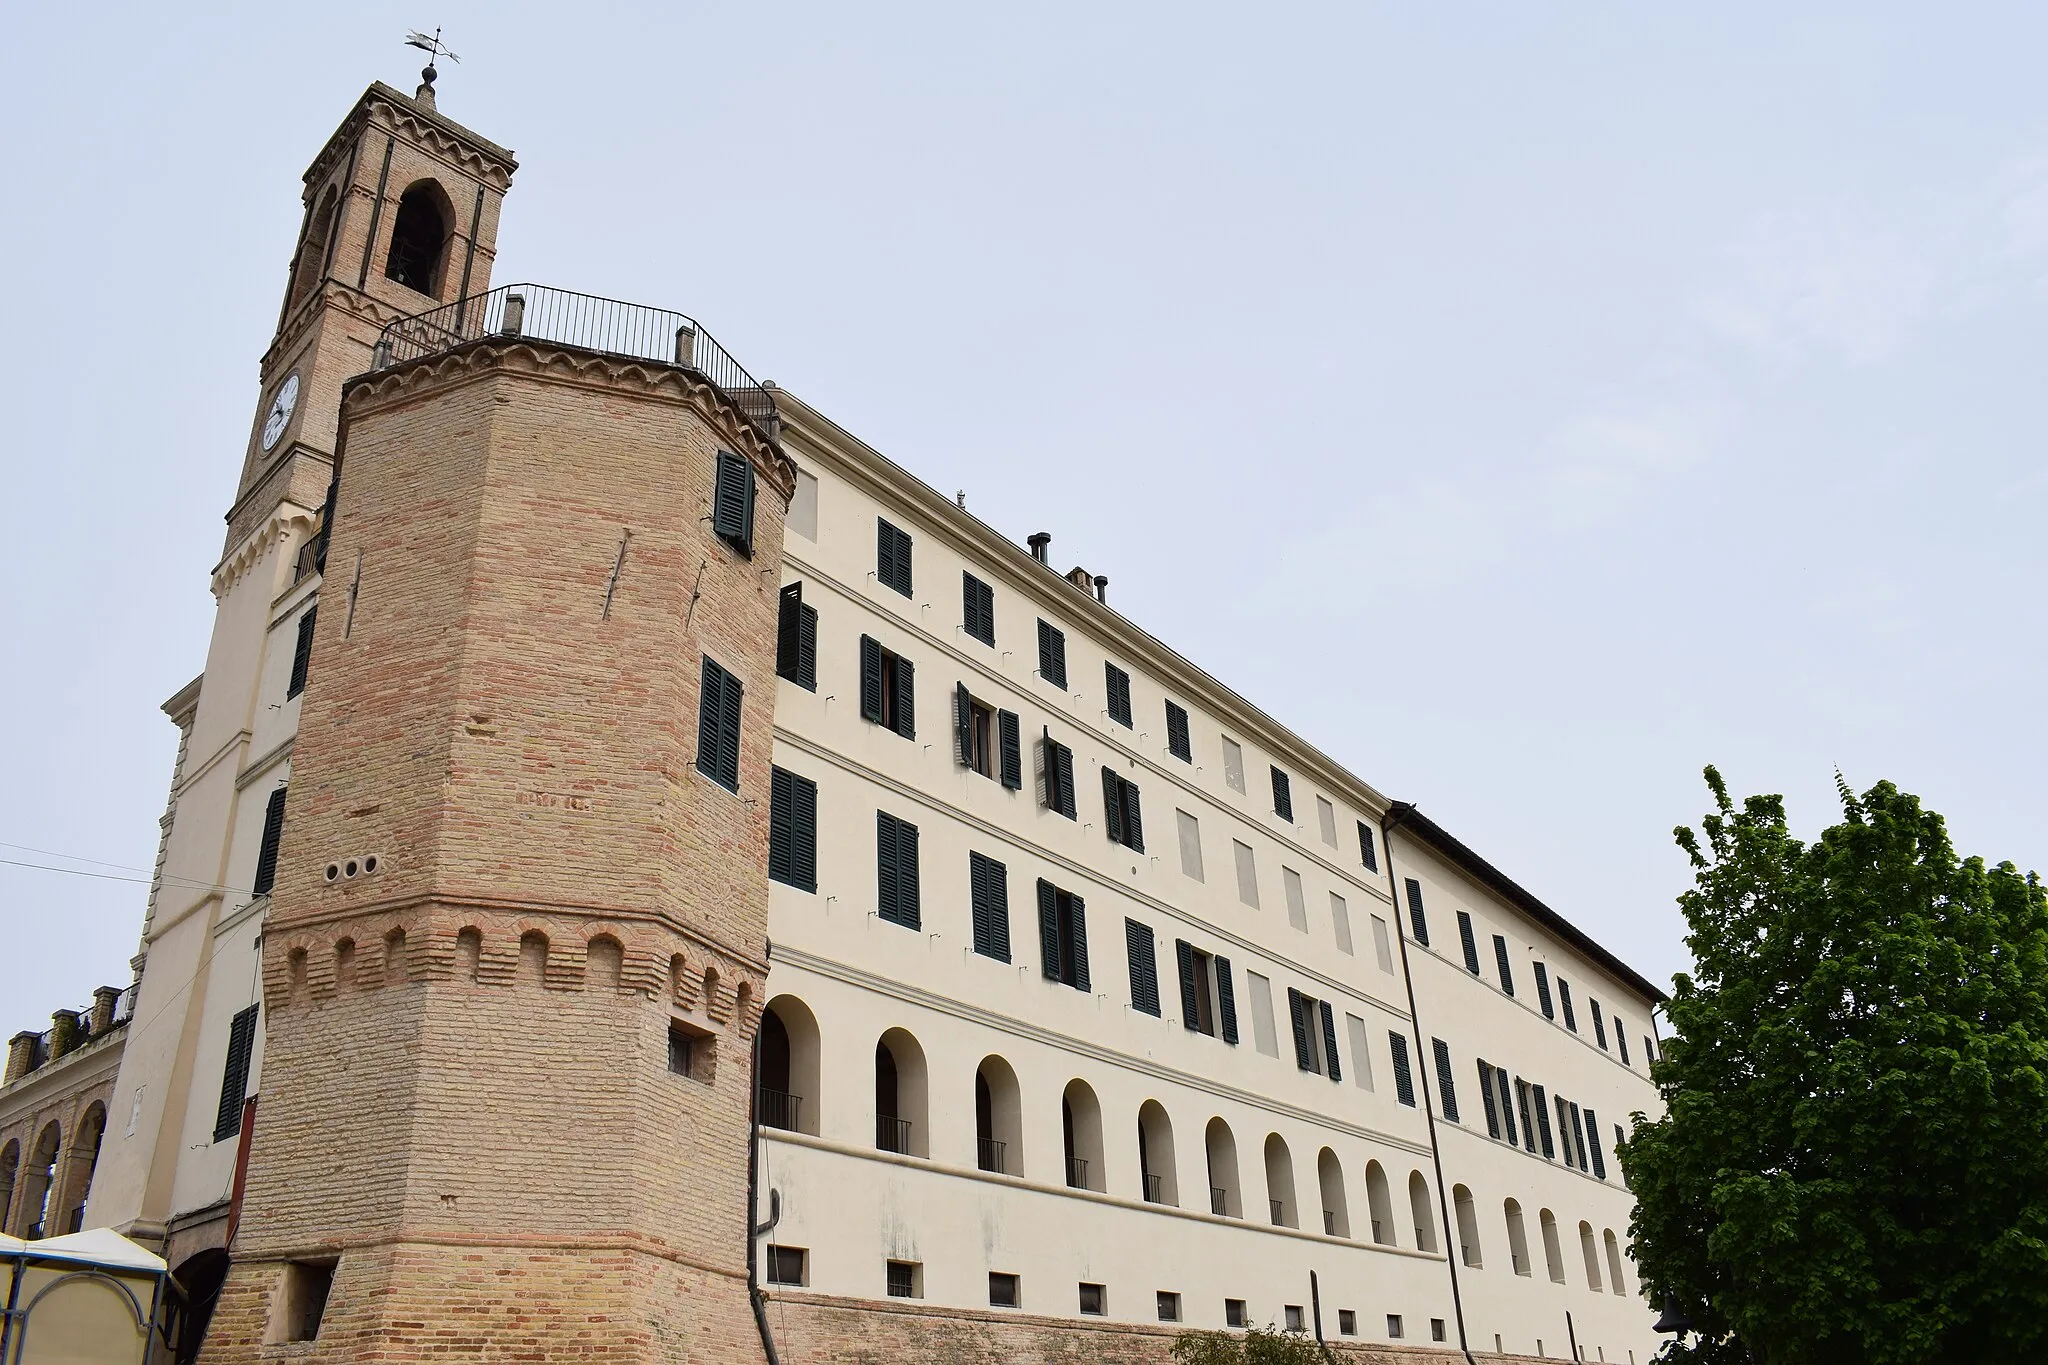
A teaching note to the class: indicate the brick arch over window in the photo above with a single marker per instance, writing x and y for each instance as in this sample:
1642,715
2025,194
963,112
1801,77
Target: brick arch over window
420,234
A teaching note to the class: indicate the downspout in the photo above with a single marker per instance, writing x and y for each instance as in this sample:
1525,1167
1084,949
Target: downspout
755,1233
1423,1063
1315,1300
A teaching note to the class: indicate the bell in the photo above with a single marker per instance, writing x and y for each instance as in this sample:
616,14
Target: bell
1673,1321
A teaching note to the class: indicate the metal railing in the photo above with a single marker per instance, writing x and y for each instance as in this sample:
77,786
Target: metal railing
630,330
989,1154
779,1109
892,1134
1219,1201
1279,1212
1077,1173
1329,1223
1155,1189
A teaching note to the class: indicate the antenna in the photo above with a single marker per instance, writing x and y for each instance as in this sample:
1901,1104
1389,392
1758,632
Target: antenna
434,48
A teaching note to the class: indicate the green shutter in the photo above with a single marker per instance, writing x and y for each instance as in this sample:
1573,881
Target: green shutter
963,725
1543,992
1052,655
732,502
1112,806
1049,931
1141,952
1365,853
266,847
1077,918
1593,1146
1446,1087
1297,1014
989,887
1471,946
1010,749
1118,687
1542,1121
871,679
789,610
793,830
1486,1099
1404,1080
1283,795
1501,964
1177,742
1417,922
234,1081
1226,999
1190,1004
906,698
718,726
1134,821
1507,1106
302,653
1330,1041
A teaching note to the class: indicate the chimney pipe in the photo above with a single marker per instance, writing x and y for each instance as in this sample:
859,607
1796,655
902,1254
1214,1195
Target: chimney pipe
1038,540
1102,589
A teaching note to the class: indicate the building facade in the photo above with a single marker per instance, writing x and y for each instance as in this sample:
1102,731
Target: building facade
647,877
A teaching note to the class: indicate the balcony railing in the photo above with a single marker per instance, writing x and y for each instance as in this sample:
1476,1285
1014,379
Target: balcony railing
629,330
1077,1173
1329,1223
1219,1201
1279,1212
989,1155
780,1110
1155,1189
892,1134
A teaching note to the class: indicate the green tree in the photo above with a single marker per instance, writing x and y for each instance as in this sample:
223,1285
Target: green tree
1260,1346
1853,1162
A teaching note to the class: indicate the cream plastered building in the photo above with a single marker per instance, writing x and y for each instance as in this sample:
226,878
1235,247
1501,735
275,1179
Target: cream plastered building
1095,996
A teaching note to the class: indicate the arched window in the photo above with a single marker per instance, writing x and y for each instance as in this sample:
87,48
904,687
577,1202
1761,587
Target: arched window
900,1094
788,1039
1155,1155
10,1167
1467,1214
1336,1210
1425,1217
394,957
1280,1206
1224,1199
85,1159
1379,1202
1553,1250
998,1118
1518,1238
533,958
469,952
312,261
1614,1276
1081,1135
419,238
1591,1251
38,1198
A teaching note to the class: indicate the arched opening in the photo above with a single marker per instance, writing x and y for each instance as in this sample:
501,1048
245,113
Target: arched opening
1467,1214
1614,1276
678,973
1518,1237
708,999
85,1159
312,262
201,1276
1081,1134
345,965
419,238
1553,1250
998,1118
1379,1202
394,957
42,1174
1155,1155
1280,1205
1590,1249
900,1094
1336,1210
604,963
469,953
1224,1198
10,1170
1425,1217
788,1040
295,967
533,958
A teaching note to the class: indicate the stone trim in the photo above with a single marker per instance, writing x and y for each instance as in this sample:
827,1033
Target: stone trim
288,517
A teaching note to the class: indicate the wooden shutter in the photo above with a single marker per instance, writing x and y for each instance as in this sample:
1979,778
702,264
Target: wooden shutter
1112,806
1542,1120
1404,1080
1118,686
1564,998
1077,941
234,1081
989,884
1143,954
1010,749
1297,1014
1579,1137
718,726
1471,946
793,830
1543,992
903,562
732,502
963,726
1621,1041
1190,1004
1507,1105
886,883
978,608
1486,1099
729,732
302,653
871,678
892,557
1283,795
1052,655
1049,931
1599,1023
906,698
1226,999
266,847
1059,777
1336,1069
1177,733
789,610
1417,922
1592,1147
908,901
1134,821
1446,1086
1365,852
1501,964
780,835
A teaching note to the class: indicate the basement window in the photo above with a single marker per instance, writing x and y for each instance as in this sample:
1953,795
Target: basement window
1233,1313
904,1280
1347,1322
1291,1314
786,1265
692,1052
306,1287
1094,1302
1002,1289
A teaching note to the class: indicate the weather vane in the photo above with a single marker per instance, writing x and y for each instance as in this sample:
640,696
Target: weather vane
434,48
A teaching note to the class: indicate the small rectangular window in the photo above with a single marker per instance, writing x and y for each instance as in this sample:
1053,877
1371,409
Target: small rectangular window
1404,1081
692,1052
786,1265
1233,764
1446,1087
1347,1322
1340,922
903,1278
1002,1290
1297,904
302,653
1063,937
888,688
1117,685
1121,816
234,1081
796,639
1326,820
989,891
803,507
1292,1316
1190,844
1501,965
1233,1313
896,875
267,845
1394,1326
1418,922
679,1047
793,830
1365,848
892,557
1436,1329
1169,1306
1247,874
977,609
1094,1302
718,726
1382,944
1056,774
1283,796
1263,1036
1177,741
1142,955
1361,1056
1467,941
1052,654
732,502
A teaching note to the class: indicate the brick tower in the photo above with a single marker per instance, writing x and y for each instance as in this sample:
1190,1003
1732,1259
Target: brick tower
517,944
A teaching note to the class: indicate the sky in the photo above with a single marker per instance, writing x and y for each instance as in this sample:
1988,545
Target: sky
1527,404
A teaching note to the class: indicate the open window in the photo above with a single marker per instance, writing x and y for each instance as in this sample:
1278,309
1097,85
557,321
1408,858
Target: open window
986,740
419,238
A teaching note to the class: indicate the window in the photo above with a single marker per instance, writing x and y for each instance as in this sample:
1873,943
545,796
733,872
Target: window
1591,1141
1143,956
1297,907
1418,923
1169,1306
1471,947
692,1052
1578,1137
1247,874
888,688
1063,937
896,871
306,1287
892,557
718,726
1541,1110
793,830
986,740
266,847
732,502
803,507
1340,922
1501,965
1233,764
903,1277
1564,998
1120,813
1117,685
1436,1329
1446,1087
1177,742
1056,776
786,1265
1283,796
1208,999
1599,1024
419,236
988,883
977,609
1361,1056
234,1081
796,639
1486,1100
302,653
1347,1322
1263,1036
1002,1289
1315,1035
679,1051
1649,1050
1094,1302
1619,1138
1291,1315
1233,1313
1394,1326
1621,1041
1507,1106
1365,851
1190,844
1404,1082
1382,944
1052,654
1543,992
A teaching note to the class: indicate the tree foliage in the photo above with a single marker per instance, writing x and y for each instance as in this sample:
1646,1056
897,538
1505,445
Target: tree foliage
1260,1346
1853,1161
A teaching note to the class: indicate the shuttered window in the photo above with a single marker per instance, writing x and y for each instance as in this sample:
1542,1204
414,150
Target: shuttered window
302,653
1564,998
1486,1099
1304,1041
1120,812
1470,944
1063,937
1593,1145
1177,742
1501,964
1283,796
1446,1086
732,502
718,726
1542,1115
896,871
1525,1109
1621,1041
793,830
892,557
1052,655
1404,1079
1331,1067
1599,1024
1315,1034
1226,999
1543,992
796,639
1010,750
234,1081
888,688
1418,923
1056,774
266,847
1507,1105
1117,685
1365,849
977,609
1578,1137
1190,986
989,888
1143,954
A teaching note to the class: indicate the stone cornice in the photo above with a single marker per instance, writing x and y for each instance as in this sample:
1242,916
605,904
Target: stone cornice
288,517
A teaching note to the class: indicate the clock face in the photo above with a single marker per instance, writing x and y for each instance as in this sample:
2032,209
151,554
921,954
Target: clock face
280,414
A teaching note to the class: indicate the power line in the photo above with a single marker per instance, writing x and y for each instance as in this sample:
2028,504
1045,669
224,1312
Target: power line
149,880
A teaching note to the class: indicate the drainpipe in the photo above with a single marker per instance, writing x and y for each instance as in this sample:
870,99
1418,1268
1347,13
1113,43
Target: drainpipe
1423,1062
755,1233
1315,1303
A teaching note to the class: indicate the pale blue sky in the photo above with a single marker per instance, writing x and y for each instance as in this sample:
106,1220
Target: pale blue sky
1529,404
